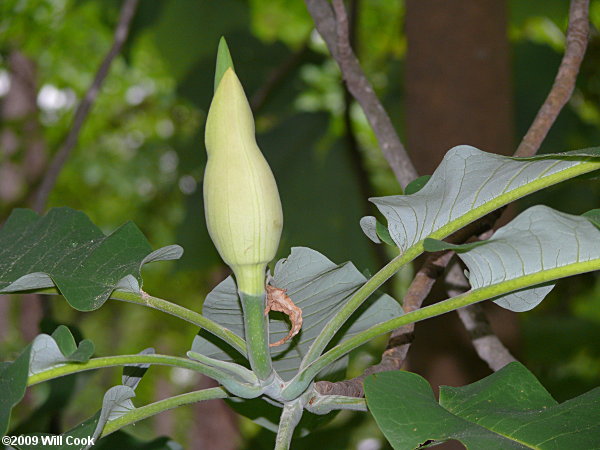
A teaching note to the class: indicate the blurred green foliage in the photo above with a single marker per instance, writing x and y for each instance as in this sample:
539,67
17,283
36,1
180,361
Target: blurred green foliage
140,157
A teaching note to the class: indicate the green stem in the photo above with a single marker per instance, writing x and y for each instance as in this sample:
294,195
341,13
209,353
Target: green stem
329,331
152,409
257,335
290,416
356,300
183,313
175,310
303,379
120,360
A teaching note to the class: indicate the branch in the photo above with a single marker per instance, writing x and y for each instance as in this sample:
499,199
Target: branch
564,83
334,30
60,158
488,346
401,338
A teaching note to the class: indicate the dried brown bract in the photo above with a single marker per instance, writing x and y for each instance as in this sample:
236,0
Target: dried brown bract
278,300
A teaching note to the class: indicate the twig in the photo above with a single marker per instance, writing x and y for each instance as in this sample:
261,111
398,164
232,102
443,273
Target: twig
60,158
401,338
564,83
487,345
334,30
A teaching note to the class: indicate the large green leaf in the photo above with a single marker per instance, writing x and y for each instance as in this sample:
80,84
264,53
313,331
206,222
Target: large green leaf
538,240
13,382
470,183
65,249
317,286
508,409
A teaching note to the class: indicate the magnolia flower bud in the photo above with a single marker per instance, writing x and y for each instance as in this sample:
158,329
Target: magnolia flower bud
241,200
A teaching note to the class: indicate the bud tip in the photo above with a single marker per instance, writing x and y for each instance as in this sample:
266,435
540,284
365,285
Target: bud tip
224,61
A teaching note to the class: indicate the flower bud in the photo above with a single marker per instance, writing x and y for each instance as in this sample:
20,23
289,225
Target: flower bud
241,200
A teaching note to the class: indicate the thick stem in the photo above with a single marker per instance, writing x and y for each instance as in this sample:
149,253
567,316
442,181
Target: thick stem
111,361
152,409
257,334
290,416
175,310
303,379
183,313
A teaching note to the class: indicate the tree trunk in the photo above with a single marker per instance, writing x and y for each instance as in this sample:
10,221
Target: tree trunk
458,88
458,91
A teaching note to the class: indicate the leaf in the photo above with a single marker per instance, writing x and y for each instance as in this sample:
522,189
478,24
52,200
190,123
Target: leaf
48,351
65,249
375,230
416,185
60,390
593,216
470,183
122,440
44,352
133,373
433,245
116,401
538,240
318,287
508,409
13,382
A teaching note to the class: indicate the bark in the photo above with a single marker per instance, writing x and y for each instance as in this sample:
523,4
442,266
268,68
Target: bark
458,91
458,87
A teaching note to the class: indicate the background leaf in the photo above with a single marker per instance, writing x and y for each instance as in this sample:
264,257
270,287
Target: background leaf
593,216
120,439
316,285
44,352
13,382
416,185
64,248
508,409
116,400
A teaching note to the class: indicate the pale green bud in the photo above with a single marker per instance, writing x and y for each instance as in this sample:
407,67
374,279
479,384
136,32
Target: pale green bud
241,200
